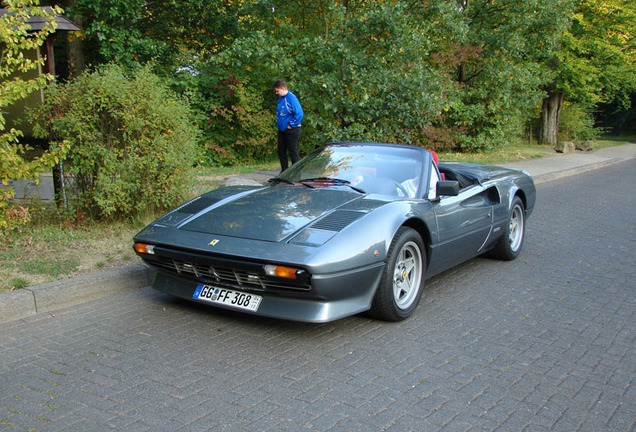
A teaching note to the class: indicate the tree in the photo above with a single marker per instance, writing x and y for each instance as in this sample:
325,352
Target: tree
74,44
16,39
361,69
462,74
171,34
595,61
495,52
445,74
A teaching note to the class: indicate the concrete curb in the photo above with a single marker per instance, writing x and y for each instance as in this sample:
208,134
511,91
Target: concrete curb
564,165
543,178
68,292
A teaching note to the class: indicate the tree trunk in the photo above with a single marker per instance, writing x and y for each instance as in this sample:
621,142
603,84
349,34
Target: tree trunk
548,133
74,46
461,69
75,55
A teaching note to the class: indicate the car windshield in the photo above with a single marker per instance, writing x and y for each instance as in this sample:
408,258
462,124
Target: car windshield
388,170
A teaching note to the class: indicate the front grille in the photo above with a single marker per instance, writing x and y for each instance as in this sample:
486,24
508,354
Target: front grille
233,277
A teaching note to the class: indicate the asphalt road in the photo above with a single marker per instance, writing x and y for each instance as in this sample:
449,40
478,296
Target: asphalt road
545,342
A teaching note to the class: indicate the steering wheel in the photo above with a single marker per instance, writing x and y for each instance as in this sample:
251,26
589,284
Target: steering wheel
401,189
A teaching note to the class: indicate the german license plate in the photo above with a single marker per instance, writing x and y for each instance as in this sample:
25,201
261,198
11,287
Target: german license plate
228,297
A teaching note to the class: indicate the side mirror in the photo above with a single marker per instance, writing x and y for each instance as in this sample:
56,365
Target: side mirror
447,188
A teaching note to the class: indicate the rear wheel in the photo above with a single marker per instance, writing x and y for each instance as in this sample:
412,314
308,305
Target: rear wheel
509,245
402,279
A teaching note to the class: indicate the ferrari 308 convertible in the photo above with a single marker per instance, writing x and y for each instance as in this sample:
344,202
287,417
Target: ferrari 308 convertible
352,227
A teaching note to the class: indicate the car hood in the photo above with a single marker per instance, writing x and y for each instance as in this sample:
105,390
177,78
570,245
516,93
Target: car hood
269,214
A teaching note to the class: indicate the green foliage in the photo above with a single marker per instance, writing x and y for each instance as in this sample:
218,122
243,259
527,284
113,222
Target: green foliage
615,119
460,75
389,71
168,33
499,68
115,31
595,61
15,40
133,142
243,131
367,78
576,123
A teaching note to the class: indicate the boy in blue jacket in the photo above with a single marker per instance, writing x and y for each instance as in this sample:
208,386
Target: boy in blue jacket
289,114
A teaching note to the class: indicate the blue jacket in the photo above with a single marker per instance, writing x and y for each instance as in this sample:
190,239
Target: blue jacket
288,112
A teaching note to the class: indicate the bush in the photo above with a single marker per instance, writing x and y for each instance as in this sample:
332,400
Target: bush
133,143
576,123
239,129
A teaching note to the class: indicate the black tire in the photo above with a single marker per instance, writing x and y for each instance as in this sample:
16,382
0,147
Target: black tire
402,279
509,245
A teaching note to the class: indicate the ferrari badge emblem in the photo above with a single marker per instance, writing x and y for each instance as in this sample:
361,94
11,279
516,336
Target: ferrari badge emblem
214,242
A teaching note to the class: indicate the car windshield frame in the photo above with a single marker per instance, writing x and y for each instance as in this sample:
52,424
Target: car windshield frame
387,169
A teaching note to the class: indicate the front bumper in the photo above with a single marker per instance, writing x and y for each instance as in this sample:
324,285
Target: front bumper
331,297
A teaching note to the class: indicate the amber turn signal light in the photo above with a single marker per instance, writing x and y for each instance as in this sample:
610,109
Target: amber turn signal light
281,271
143,248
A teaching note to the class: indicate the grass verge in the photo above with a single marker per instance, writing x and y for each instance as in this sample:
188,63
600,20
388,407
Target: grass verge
49,250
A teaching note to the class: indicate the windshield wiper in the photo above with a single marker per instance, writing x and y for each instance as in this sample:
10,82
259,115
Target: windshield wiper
339,182
274,180
280,180
357,189
326,179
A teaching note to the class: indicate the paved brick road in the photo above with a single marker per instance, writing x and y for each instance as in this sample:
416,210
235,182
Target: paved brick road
542,343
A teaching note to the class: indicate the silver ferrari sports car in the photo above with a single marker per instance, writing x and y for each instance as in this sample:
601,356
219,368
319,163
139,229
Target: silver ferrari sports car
352,227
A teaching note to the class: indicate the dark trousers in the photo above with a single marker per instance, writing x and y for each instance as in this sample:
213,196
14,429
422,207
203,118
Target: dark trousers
288,143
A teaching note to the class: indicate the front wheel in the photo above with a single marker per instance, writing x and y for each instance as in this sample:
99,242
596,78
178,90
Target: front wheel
509,245
402,279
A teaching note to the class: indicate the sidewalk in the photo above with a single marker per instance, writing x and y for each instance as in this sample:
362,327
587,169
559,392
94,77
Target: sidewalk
51,296
564,165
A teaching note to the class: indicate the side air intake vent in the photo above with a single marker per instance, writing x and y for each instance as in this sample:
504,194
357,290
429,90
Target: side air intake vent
182,213
196,205
338,220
